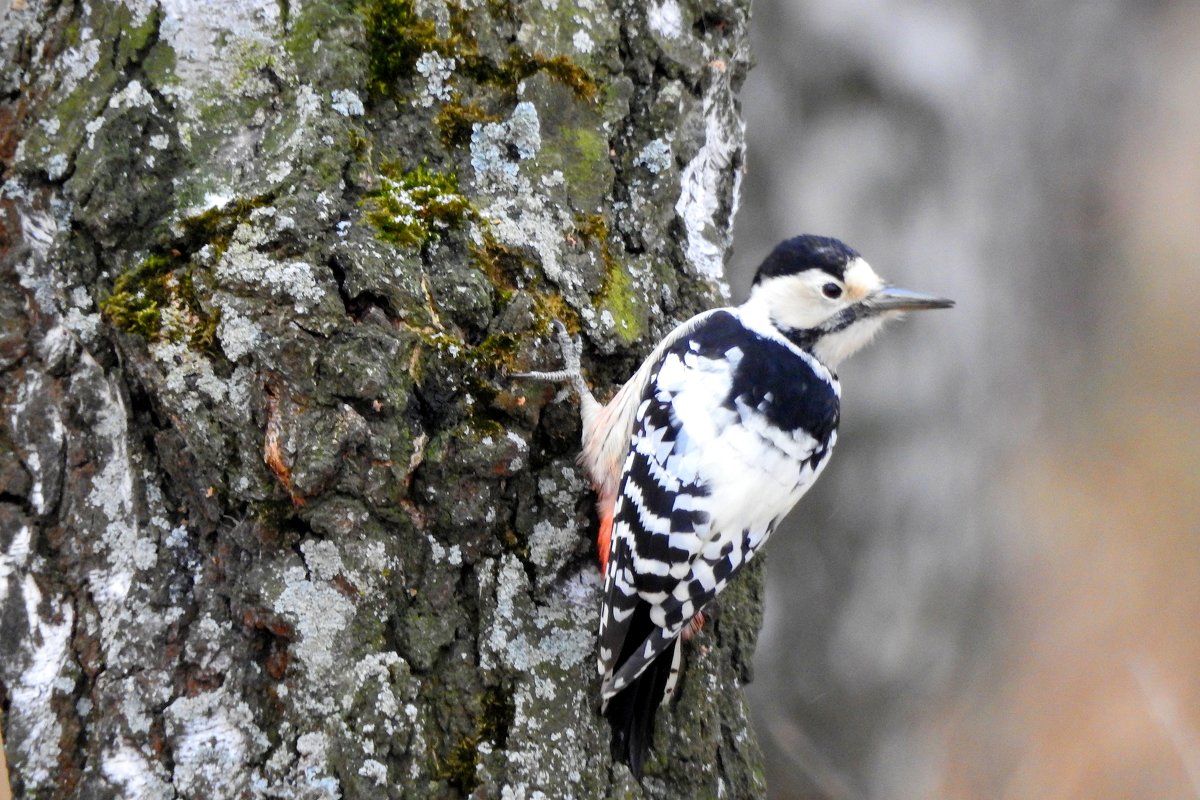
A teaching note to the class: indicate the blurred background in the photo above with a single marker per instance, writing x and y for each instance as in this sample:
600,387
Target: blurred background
994,590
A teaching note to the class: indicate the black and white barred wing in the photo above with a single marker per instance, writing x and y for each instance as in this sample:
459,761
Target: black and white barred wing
706,479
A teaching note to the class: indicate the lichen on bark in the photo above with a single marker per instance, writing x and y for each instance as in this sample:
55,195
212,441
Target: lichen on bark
275,521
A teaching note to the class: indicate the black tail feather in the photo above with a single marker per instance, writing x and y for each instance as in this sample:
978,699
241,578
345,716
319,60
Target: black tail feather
631,711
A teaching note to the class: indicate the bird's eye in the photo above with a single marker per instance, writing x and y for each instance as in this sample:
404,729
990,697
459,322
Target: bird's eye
832,291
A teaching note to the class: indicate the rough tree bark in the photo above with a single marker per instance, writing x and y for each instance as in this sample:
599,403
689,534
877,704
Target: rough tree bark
273,523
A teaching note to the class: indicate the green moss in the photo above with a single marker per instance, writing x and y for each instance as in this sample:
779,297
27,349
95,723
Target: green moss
507,271
456,120
134,39
521,65
504,268
585,159
359,142
216,225
157,300
159,64
411,208
496,352
619,298
617,295
71,32
592,229
396,38
460,766
549,306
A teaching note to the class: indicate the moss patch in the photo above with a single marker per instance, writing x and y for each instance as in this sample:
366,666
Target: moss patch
619,298
216,225
460,766
521,65
397,36
411,208
157,301
585,159
456,120
509,272
618,295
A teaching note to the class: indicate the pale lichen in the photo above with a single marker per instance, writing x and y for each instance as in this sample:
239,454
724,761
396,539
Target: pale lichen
666,19
703,179
655,156
213,736
436,72
320,614
519,214
347,103
244,264
129,769
237,334
37,731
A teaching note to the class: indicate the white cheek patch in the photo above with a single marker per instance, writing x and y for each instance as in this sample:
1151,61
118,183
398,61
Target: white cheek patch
860,280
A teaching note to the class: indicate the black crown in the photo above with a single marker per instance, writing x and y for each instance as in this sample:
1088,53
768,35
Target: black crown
806,252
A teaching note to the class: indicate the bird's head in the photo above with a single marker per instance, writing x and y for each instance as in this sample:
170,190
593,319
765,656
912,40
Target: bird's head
825,297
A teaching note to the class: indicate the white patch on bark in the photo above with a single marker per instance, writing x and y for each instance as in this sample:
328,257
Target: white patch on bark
49,637
112,496
347,103
238,335
375,771
655,156
51,430
208,37
242,263
518,213
320,613
583,43
436,71
129,769
504,635
78,62
188,375
213,737
702,179
14,559
322,558
666,19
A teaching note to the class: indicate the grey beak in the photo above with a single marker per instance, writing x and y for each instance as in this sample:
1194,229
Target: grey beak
891,298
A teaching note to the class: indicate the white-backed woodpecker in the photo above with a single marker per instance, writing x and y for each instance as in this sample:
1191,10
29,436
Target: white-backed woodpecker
703,451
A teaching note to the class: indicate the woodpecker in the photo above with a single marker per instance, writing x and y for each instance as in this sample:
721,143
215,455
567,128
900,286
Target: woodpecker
697,458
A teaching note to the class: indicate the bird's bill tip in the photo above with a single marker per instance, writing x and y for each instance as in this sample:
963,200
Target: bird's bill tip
893,298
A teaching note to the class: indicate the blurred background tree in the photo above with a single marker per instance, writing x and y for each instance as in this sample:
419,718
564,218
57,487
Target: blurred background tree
993,591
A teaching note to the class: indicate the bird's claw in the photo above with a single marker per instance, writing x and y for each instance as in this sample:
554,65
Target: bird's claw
571,349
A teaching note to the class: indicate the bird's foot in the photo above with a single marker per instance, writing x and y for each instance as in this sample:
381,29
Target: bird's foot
572,372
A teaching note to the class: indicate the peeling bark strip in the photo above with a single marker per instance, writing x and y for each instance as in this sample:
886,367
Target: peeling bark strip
272,521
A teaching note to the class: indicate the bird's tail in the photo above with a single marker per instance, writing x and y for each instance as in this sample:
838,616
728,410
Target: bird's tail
631,711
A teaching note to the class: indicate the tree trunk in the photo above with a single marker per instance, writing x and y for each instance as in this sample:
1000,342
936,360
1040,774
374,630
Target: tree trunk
273,521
